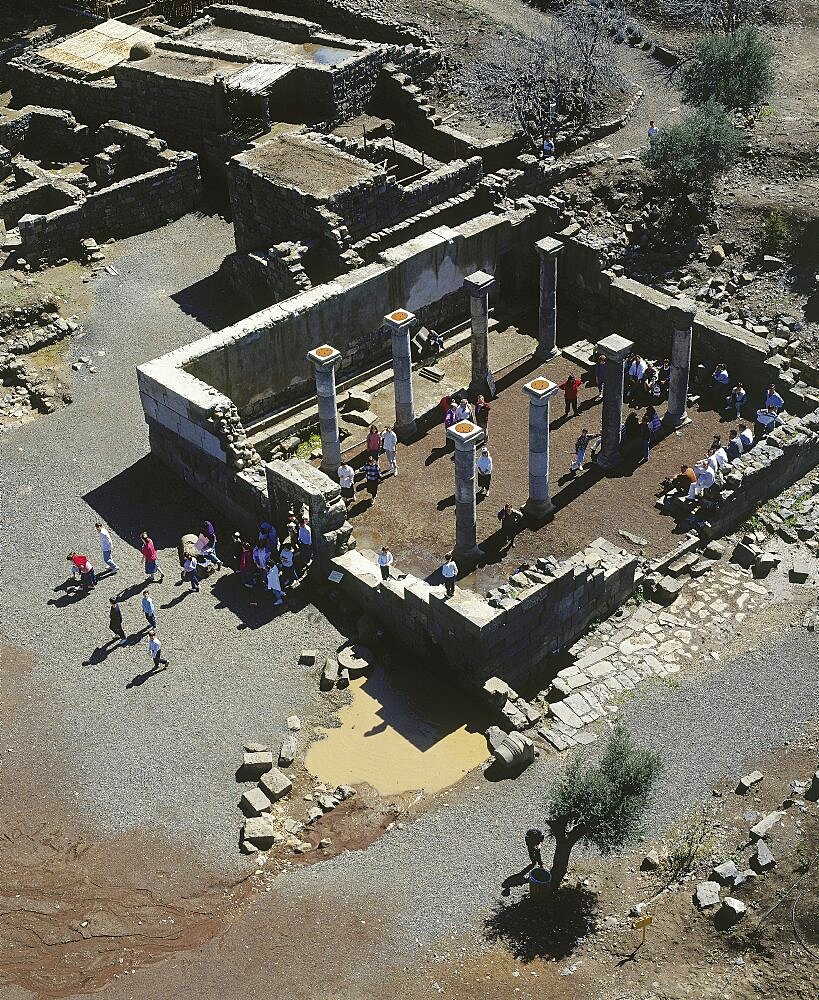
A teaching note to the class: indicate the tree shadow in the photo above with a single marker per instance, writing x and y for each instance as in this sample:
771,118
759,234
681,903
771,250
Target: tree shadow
549,929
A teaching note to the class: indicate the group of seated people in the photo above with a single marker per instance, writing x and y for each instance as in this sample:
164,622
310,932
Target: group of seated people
705,479
766,415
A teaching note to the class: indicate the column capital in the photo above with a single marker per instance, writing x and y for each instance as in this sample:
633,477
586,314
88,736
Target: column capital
539,390
464,434
682,314
323,356
479,283
399,320
549,247
615,347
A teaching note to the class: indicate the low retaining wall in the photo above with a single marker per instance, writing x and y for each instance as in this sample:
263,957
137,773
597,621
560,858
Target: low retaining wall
476,641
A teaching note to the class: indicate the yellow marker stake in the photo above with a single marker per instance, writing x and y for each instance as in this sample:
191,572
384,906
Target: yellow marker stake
642,923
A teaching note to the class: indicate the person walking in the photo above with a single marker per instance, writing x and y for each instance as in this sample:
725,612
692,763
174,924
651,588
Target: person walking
274,584
149,557
482,409
107,547
189,572
115,621
81,567
148,609
385,560
207,533
509,518
389,442
346,480
571,387
247,570
373,444
155,650
287,557
449,571
581,446
372,472
484,465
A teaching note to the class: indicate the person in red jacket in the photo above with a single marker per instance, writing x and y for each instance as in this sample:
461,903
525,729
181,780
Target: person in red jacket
570,388
81,566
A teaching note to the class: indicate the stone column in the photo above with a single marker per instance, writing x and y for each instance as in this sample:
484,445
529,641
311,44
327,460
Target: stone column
324,360
479,285
540,390
547,324
682,316
465,436
399,323
616,350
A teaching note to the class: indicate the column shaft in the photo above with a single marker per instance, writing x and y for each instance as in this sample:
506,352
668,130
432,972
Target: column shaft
466,522
676,412
612,417
402,377
479,308
539,503
328,418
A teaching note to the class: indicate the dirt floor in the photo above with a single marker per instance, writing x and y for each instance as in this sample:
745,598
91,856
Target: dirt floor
589,505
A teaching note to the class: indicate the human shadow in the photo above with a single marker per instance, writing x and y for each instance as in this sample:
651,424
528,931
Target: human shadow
139,679
254,607
515,880
576,486
99,655
549,929
435,454
446,502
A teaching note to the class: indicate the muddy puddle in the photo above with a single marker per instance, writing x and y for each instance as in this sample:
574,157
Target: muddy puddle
401,732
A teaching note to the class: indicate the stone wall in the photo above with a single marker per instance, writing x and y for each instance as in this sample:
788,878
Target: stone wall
338,17
93,102
121,209
259,362
596,303
473,640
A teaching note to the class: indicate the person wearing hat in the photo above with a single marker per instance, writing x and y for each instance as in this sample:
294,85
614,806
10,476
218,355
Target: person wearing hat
115,621
484,465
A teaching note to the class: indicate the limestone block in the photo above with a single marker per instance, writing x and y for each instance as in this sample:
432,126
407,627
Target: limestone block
254,802
275,784
764,826
255,764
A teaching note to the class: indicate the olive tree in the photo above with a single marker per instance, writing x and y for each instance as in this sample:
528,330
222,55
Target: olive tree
601,805
735,69
687,158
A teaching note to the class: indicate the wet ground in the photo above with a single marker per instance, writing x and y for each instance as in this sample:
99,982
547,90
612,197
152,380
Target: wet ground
414,514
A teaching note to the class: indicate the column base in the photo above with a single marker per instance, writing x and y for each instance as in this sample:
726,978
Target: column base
538,509
546,353
405,432
608,461
468,555
676,422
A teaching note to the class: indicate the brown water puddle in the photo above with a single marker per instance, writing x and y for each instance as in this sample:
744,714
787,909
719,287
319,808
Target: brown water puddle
400,735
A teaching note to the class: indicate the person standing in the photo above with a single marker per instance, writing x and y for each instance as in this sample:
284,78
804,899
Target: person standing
148,608
534,840
305,541
149,557
581,446
287,557
449,571
346,480
571,387
482,409
372,473
247,571
653,131
463,411
261,557
208,533
189,571
600,374
645,437
773,401
107,547
81,566
373,444
484,465
509,518
236,549
736,400
385,560
450,418
115,621
155,650
389,441
274,584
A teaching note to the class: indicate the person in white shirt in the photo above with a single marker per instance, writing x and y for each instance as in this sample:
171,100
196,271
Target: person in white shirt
189,571
721,376
385,560
720,456
463,411
449,571
155,649
737,399
287,556
274,584
636,372
773,401
705,480
735,446
766,420
346,480
746,436
305,540
389,441
261,557
107,547
484,464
